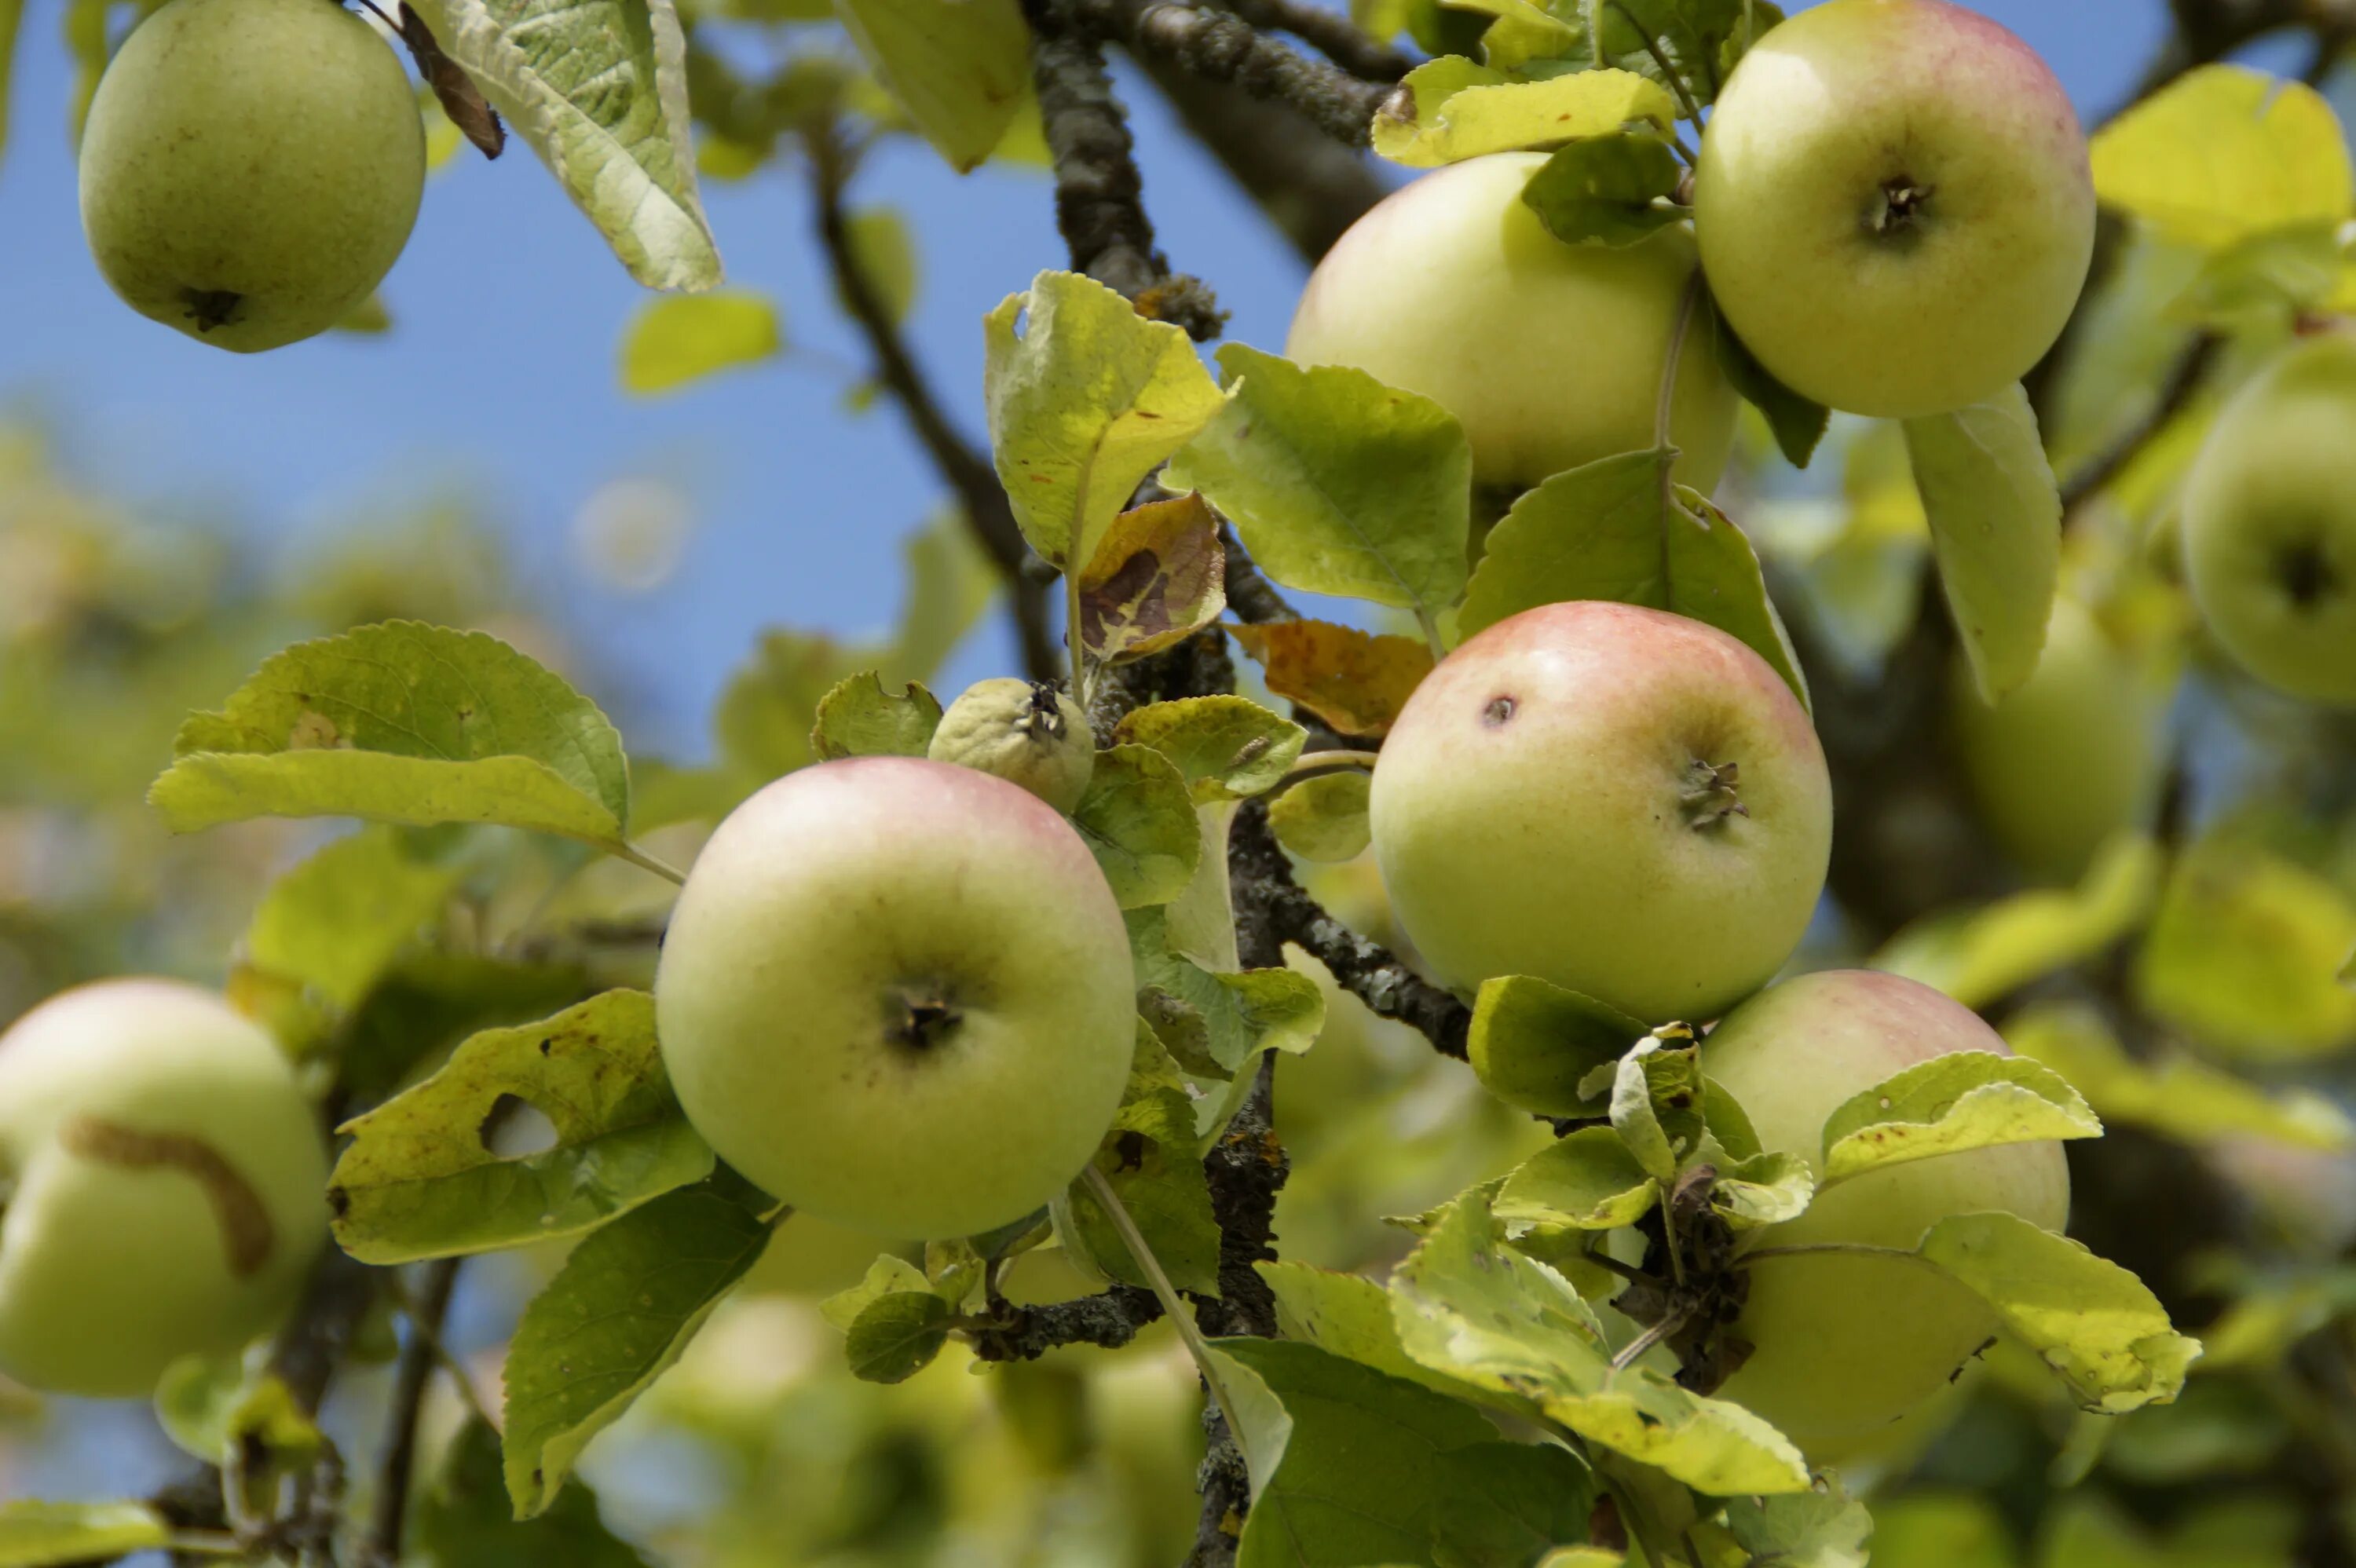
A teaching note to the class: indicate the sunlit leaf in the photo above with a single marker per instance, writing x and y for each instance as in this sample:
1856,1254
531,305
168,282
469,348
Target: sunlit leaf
1159,577
1460,109
1963,1099
959,67
1226,747
860,718
1979,956
1996,522
2225,152
1324,818
678,339
50,1535
1355,681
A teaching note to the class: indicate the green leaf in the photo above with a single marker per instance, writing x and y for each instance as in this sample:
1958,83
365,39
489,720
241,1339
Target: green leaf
895,1337
1533,1044
431,1000
2244,952
1585,1180
878,236
950,581
1798,423
1698,40
599,90
1226,747
1350,1315
2175,1094
1087,401
1616,529
885,1276
1826,1529
408,723
676,339
51,1535
1980,955
762,720
1963,1099
465,1519
1465,1307
616,1316
860,718
1150,1161
1609,190
1657,1096
336,922
1336,483
417,1180
1215,1022
2092,1323
1158,578
1138,818
959,67
1763,1190
2224,153
1462,110
1995,526
219,1412
1324,818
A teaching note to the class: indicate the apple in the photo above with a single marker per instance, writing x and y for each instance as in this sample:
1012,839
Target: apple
1026,732
896,993
251,169
2072,757
167,1185
1550,354
1894,205
1846,1346
1624,802
2270,523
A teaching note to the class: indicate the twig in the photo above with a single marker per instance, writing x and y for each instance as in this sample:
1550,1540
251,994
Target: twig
1225,48
968,472
2182,381
1331,33
415,1372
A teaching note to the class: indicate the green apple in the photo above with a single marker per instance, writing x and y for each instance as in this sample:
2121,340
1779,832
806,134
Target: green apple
2073,756
1625,802
251,168
167,1185
1550,354
897,994
1026,732
1845,1346
2270,523
1894,205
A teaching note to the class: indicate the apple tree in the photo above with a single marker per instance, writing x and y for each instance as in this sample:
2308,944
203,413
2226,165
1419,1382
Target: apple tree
1681,892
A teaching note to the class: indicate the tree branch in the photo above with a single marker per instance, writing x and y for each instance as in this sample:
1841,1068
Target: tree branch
410,1380
1331,33
2182,381
1225,48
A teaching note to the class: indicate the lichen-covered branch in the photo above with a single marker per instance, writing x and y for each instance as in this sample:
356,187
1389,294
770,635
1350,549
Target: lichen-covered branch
1330,32
1222,46
1310,187
1110,1319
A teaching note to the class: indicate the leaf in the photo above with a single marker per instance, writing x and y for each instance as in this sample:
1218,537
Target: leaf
2175,1094
461,103
1608,190
1534,1043
402,722
1324,818
1228,1017
2090,1322
950,582
895,1337
1137,819
52,1535
959,67
2243,951
1995,526
431,1000
1086,403
599,88
417,1181
878,238
885,1276
860,718
1798,423
335,923
2224,153
1350,1315
1585,1180
1826,1529
1698,40
1159,577
1336,482
1616,529
762,720
1226,747
1354,681
1460,109
465,1521
217,1414
1963,1099
676,339
616,1316
1763,1190
1983,955
1657,1095
1148,1157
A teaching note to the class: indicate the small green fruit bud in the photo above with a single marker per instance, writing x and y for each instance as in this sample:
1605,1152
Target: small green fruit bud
1025,732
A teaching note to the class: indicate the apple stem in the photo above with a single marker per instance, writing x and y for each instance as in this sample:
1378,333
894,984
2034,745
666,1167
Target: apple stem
1670,386
1172,1306
1310,763
623,850
1636,1347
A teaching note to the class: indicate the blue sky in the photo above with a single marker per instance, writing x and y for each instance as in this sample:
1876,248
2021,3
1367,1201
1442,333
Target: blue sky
499,374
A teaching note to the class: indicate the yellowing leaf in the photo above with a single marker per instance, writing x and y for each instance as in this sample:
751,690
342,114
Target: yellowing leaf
1460,109
2244,952
883,252
1964,1100
679,339
2226,153
1355,681
1159,577
959,67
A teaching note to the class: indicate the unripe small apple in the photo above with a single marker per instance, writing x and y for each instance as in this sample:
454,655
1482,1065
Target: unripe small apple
1550,354
1620,800
251,169
1844,1345
1894,205
167,1185
2270,523
897,994
2072,757
1026,732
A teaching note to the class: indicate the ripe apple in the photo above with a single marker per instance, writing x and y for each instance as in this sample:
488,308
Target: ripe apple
251,168
1620,800
1025,732
1846,1345
2070,758
1550,354
167,1185
897,994
1894,205
2270,523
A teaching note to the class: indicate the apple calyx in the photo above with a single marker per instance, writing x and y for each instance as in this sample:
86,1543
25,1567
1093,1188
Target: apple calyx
924,1019
1898,206
210,308
1043,720
1711,797
2306,575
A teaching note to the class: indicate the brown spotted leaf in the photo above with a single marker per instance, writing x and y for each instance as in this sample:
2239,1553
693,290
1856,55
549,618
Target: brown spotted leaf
1355,681
1159,577
461,100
